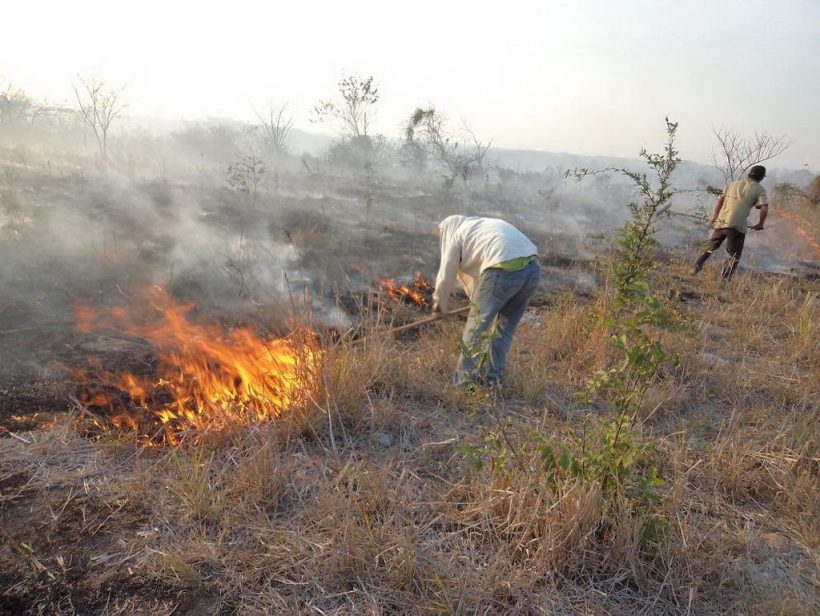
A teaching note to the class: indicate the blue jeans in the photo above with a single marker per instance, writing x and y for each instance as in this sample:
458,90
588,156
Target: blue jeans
499,302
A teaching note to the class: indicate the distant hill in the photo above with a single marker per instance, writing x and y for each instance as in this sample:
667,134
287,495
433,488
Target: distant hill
689,175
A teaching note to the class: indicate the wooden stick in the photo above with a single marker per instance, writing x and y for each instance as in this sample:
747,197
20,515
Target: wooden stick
401,328
436,317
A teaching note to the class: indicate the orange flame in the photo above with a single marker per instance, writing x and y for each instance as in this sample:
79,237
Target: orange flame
801,228
206,379
417,293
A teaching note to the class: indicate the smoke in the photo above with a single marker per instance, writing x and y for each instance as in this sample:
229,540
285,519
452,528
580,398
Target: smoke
101,237
286,234
89,234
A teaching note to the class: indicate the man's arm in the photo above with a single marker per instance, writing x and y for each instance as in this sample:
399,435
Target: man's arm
718,207
446,278
764,212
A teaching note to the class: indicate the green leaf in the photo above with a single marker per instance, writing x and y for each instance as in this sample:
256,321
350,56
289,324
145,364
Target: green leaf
565,461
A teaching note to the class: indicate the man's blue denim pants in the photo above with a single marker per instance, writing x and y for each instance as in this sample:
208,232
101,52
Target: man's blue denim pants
498,304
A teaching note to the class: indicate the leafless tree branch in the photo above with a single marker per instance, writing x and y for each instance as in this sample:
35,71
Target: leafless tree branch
736,153
427,131
357,97
276,126
99,105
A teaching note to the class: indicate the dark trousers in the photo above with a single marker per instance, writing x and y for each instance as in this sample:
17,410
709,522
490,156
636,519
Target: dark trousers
734,246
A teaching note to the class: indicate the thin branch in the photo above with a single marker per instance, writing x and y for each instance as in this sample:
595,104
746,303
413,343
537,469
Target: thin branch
735,154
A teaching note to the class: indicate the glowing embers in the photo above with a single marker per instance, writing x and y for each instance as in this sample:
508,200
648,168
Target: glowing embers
419,292
202,378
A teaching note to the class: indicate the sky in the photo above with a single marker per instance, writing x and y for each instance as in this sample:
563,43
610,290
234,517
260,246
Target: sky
593,77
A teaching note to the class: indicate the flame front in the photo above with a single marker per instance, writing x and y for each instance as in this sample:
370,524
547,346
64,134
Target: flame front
802,226
206,378
416,293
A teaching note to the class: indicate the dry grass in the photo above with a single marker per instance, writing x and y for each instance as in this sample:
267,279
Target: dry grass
363,503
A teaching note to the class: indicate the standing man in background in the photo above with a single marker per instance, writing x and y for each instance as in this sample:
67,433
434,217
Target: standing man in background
729,219
498,266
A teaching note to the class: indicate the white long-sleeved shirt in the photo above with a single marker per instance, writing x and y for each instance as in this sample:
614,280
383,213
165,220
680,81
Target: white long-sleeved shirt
469,245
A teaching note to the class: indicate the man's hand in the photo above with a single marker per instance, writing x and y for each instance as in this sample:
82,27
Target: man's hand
718,207
436,308
764,212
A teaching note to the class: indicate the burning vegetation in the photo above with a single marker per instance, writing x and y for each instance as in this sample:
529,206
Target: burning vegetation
419,292
203,378
200,378
803,229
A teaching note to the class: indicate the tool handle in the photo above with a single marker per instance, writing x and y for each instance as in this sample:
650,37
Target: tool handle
430,319
414,324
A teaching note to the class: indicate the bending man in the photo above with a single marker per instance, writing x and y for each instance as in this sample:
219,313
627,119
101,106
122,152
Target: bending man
729,219
499,269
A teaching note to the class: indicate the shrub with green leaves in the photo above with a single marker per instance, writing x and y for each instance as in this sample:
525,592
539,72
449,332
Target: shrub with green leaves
614,453
636,240
611,450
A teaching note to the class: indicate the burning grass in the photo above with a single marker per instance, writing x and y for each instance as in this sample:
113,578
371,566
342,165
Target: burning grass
205,378
805,230
419,292
366,503
201,378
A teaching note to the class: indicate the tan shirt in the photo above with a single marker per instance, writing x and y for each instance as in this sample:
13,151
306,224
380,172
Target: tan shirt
738,200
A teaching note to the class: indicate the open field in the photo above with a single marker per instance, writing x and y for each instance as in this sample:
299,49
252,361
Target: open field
228,340
385,489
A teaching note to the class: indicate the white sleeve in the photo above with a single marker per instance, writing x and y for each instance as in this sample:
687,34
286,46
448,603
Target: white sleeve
447,271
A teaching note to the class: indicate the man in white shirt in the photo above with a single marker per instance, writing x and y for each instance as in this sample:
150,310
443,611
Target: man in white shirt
498,266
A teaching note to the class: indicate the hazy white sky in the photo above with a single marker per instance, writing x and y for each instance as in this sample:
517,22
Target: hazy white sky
580,76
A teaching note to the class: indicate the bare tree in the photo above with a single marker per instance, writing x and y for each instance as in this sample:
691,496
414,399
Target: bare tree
244,175
736,153
427,130
99,107
480,149
276,125
352,109
16,107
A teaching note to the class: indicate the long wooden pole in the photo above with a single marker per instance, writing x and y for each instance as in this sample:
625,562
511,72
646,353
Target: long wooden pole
436,317
401,328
